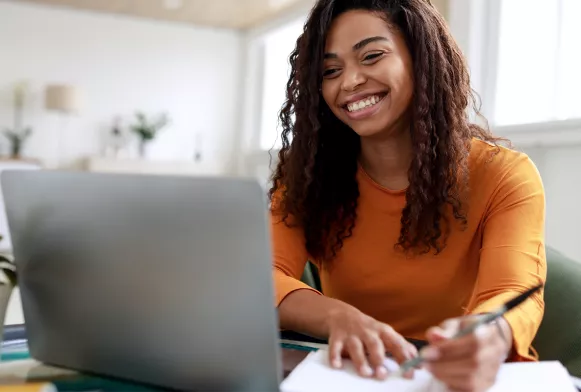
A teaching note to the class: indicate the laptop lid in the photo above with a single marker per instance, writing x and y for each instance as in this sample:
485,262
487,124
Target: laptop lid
162,280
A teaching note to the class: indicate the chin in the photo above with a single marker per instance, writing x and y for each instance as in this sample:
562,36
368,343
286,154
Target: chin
383,126
371,127
368,131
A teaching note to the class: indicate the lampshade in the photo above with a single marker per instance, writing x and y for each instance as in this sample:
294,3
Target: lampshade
62,98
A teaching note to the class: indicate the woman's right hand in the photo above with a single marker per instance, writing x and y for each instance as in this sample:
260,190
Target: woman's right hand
365,341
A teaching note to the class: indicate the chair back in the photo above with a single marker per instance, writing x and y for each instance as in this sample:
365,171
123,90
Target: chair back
559,336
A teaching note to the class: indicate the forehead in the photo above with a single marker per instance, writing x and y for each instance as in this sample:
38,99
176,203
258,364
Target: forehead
353,26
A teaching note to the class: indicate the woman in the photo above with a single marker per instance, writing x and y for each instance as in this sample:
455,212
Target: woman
417,219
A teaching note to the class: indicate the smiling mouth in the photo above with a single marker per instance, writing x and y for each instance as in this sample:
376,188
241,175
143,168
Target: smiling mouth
365,103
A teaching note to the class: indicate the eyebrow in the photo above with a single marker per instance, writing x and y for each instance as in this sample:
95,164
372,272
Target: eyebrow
359,45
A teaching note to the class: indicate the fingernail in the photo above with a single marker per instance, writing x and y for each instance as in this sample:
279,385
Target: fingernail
381,372
336,363
430,353
480,332
366,371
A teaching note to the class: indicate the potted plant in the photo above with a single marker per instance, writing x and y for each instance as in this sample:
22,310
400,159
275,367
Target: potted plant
7,283
147,129
18,135
16,139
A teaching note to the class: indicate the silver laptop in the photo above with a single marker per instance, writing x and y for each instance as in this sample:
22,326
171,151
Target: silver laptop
161,280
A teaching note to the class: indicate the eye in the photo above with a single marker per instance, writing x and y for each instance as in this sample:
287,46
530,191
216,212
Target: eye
328,73
372,56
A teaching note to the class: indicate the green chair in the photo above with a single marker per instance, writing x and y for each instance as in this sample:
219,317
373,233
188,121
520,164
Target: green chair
311,276
559,337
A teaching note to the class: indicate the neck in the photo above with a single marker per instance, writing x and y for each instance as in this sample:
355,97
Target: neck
387,160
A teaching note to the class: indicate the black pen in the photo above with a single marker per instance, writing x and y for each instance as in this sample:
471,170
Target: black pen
485,319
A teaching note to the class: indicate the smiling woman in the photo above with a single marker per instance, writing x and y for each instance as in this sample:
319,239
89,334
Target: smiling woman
417,219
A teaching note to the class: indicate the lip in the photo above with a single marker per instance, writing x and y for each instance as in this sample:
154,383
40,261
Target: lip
360,96
363,113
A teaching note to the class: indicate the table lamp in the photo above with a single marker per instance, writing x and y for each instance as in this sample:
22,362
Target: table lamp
65,100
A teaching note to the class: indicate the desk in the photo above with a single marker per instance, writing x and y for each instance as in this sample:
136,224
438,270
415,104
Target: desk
290,359
28,370
18,370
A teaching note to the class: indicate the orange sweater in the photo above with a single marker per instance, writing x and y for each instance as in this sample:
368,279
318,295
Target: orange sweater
500,254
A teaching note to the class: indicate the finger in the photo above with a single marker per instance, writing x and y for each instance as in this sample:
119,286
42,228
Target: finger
436,334
356,353
450,369
450,327
376,351
452,324
476,366
444,331
335,349
464,346
400,348
460,384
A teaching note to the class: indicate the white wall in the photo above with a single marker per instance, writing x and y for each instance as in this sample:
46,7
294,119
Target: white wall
122,65
554,146
560,169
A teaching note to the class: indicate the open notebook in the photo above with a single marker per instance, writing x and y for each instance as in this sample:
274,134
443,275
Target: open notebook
314,375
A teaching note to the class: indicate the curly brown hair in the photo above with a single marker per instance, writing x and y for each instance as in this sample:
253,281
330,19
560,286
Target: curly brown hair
315,184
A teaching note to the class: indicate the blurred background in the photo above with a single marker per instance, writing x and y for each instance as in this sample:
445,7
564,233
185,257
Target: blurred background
193,87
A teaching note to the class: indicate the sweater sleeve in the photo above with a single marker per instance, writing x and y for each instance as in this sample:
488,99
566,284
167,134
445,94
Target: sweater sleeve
289,258
512,257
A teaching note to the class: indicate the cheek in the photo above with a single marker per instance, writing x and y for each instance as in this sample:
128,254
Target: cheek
329,92
393,71
405,83
409,82
326,92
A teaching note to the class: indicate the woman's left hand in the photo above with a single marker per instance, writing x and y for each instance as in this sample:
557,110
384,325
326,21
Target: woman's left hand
469,363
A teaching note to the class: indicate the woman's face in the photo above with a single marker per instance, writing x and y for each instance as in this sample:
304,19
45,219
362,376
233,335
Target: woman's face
367,73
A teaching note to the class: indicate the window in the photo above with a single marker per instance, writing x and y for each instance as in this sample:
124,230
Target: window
539,61
278,46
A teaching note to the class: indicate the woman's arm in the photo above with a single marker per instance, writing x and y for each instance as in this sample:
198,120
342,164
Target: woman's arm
300,307
289,260
303,309
310,313
512,258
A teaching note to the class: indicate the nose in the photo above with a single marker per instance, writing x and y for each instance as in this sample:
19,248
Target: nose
352,78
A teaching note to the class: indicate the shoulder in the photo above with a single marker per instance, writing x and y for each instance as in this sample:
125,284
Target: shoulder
497,169
491,162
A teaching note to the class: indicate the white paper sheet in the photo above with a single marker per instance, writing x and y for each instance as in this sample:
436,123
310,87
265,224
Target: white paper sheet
315,375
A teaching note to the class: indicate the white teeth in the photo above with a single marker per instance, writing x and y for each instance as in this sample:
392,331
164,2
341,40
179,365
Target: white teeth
364,103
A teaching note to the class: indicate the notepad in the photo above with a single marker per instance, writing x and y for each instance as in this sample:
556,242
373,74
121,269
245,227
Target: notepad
314,374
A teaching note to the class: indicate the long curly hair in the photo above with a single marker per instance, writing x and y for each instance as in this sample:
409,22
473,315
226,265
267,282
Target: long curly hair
314,185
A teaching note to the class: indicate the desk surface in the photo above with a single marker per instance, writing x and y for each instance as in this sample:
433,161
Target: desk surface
291,358
16,366
28,370
15,372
